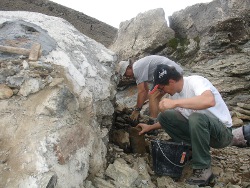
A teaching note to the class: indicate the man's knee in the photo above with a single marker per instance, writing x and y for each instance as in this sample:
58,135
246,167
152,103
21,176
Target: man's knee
167,116
197,120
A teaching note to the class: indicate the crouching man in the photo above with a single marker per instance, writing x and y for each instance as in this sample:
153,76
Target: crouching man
195,114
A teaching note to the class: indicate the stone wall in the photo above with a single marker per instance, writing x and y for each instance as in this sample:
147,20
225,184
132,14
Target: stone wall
91,27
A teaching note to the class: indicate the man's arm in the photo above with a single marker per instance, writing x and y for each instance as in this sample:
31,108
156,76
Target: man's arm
142,95
146,128
203,101
141,98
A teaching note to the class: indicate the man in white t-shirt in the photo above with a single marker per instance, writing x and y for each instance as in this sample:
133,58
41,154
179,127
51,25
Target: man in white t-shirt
142,70
195,114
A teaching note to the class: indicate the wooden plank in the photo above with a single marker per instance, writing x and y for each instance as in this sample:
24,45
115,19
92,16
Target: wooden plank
35,52
15,50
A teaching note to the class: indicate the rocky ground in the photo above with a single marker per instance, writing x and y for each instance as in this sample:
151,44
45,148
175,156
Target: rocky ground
231,166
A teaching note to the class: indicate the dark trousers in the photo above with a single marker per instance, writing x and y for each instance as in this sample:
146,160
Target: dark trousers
201,131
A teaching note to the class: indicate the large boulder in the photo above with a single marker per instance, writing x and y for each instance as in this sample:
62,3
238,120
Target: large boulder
196,20
142,35
54,126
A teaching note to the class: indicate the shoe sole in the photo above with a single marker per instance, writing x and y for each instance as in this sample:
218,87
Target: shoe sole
209,180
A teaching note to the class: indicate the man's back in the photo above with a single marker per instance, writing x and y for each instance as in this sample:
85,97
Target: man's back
144,68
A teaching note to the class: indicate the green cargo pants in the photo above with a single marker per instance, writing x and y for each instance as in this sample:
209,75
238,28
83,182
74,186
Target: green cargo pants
200,131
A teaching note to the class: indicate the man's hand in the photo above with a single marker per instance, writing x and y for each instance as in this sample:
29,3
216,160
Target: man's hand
166,104
145,128
135,115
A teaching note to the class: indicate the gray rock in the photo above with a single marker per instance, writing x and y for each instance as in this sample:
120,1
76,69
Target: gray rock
49,130
5,92
142,34
122,174
196,20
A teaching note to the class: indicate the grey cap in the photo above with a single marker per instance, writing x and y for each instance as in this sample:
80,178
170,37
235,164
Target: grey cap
122,66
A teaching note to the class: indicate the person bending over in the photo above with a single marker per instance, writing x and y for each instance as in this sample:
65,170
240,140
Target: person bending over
142,70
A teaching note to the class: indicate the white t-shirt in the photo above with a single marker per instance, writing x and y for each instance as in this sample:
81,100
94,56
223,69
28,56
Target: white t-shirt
196,85
144,68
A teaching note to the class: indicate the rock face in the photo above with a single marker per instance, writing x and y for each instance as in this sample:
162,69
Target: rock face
91,27
55,112
223,58
142,35
198,19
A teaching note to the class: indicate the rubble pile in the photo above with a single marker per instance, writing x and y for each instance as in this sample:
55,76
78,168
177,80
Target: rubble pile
20,77
231,165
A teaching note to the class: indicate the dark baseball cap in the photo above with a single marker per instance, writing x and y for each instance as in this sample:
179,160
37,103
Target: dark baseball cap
162,75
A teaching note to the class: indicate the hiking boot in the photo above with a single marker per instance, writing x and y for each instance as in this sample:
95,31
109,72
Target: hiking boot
201,177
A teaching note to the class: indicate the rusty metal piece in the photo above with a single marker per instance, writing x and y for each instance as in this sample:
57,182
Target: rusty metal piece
137,142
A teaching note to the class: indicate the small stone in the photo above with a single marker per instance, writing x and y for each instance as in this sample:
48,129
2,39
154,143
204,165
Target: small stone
5,92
